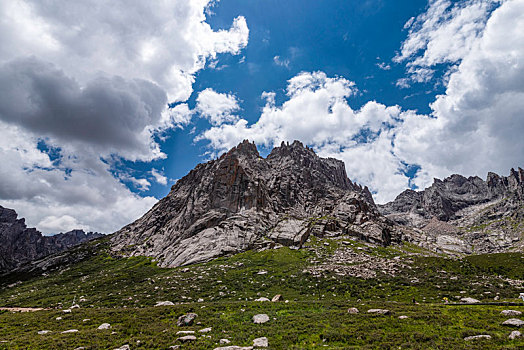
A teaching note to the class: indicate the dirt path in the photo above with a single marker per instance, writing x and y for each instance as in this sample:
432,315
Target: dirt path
21,309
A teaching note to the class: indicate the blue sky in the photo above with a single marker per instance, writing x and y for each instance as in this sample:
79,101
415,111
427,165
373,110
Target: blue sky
103,107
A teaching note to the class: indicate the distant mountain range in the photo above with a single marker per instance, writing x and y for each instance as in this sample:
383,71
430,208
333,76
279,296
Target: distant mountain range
19,244
243,201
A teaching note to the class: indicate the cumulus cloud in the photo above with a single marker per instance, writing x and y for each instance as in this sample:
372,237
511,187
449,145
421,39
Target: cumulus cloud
445,33
159,177
94,81
216,107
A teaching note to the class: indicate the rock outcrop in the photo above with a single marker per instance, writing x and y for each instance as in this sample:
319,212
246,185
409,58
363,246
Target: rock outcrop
242,200
20,244
465,214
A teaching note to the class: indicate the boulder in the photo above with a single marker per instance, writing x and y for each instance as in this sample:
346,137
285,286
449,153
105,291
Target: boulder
510,313
262,299
205,330
277,297
514,335
104,326
353,310
260,318
186,320
513,322
187,338
70,331
470,300
379,311
43,332
164,303
476,337
260,342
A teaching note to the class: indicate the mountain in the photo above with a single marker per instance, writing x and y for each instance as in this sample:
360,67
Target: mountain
20,244
241,201
466,214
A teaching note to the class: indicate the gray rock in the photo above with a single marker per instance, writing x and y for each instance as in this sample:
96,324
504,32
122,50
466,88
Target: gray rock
476,337
185,332
511,312
224,341
187,338
260,342
441,209
164,303
260,318
277,297
470,300
186,320
205,330
70,331
353,310
104,326
514,335
379,311
20,245
233,347
43,332
236,202
513,322
262,299
123,347
403,317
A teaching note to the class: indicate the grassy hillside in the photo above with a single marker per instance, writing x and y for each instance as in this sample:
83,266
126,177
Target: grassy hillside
123,292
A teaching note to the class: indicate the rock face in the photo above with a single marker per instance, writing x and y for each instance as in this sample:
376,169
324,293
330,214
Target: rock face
242,200
465,214
19,244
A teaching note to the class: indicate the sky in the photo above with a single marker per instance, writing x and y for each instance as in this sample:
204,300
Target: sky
104,106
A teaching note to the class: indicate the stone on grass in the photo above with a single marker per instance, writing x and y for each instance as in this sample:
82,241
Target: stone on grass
185,332
234,347
260,342
260,318
104,326
70,331
186,320
123,347
262,299
66,311
58,318
164,303
86,320
205,330
513,322
470,300
475,337
277,297
379,311
353,310
43,332
187,338
514,335
224,341
403,317
511,312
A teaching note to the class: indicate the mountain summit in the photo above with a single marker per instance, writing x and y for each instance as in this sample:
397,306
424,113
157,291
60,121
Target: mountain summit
242,200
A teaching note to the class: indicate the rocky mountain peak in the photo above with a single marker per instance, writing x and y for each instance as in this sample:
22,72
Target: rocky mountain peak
241,199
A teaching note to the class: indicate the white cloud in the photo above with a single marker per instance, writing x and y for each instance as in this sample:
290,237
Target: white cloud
445,33
159,177
216,107
93,80
282,62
